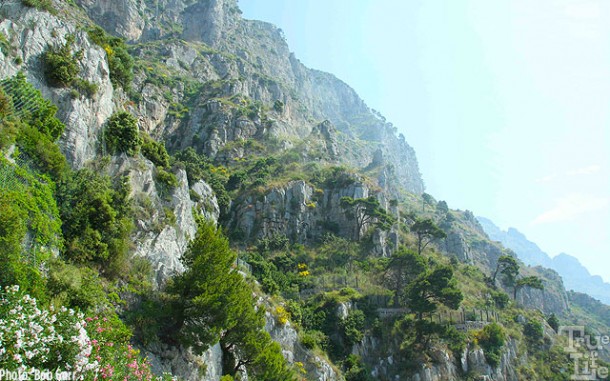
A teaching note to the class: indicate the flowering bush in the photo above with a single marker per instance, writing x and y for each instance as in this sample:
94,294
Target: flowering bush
117,358
32,339
64,344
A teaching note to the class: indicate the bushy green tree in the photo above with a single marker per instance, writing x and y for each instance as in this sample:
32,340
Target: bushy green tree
121,134
353,327
97,219
364,211
509,267
338,252
431,289
533,332
528,281
205,290
426,231
213,303
403,267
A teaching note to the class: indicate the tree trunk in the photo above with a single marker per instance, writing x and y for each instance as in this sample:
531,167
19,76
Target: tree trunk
229,362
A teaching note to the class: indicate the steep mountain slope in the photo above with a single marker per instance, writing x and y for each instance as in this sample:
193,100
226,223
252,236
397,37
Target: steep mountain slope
250,62
575,276
206,118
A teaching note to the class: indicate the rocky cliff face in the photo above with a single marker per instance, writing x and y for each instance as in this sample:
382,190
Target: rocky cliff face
29,33
255,63
443,366
208,79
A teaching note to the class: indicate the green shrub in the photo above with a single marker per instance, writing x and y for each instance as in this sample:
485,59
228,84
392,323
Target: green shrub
44,154
120,61
553,322
6,106
533,332
85,87
500,298
5,45
492,338
166,179
40,113
121,134
75,287
312,339
41,5
353,327
155,152
278,106
60,64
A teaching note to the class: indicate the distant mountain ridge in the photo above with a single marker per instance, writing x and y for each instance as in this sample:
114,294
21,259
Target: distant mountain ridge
575,276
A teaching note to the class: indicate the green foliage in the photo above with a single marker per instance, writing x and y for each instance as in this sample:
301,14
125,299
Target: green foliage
278,106
31,107
213,304
528,281
277,241
500,298
41,5
355,369
553,322
200,167
45,155
313,339
352,327
26,206
166,179
5,45
277,275
432,288
426,231
416,335
85,87
155,151
509,267
61,64
492,339
456,340
533,332
121,134
99,223
365,211
332,177
403,267
74,287
442,208
120,61
206,288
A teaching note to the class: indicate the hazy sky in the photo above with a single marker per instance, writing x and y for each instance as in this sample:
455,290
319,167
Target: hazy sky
506,102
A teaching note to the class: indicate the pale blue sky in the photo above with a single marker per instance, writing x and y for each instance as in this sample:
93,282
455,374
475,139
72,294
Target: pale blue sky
506,102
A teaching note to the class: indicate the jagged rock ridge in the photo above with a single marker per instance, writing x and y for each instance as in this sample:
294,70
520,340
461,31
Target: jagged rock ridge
575,276
256,63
